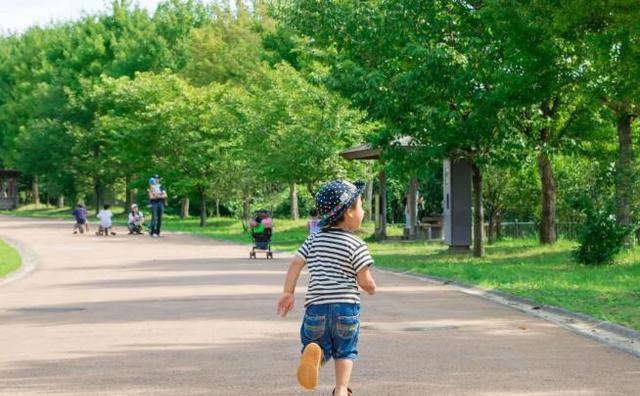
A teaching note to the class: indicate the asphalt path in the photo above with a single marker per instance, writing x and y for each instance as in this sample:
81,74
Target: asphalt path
182,315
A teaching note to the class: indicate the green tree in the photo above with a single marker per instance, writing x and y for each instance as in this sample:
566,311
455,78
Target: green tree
161,123
301,128
429,79
608,33
538,77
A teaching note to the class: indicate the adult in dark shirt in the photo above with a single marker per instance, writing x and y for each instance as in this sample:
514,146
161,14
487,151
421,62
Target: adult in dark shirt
157,196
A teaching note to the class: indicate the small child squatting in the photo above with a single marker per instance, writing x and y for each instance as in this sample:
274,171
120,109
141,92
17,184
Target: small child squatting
328,311
105,227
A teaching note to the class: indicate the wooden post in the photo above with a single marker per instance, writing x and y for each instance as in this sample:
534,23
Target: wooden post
368,194
412,203
381,233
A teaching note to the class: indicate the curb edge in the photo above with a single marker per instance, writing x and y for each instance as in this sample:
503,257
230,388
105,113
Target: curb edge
30,261
611,334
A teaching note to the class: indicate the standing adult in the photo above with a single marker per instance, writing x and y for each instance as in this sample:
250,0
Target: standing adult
157,196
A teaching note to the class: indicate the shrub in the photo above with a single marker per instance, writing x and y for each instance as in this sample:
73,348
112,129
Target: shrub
600,238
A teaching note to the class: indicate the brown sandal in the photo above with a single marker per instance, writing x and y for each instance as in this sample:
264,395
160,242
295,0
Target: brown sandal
309,368
348,391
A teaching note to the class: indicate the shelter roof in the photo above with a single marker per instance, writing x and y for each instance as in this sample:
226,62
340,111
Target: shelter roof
366,151
9,172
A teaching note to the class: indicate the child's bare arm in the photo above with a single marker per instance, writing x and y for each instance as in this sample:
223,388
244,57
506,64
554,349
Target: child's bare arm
293,274
286,301
366,281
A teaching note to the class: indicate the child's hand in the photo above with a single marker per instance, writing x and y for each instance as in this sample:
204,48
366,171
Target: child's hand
285,304
366,282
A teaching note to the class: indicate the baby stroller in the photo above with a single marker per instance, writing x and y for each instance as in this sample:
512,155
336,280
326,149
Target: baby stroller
261,230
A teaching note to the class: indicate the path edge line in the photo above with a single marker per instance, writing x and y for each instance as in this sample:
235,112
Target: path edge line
29,261
611,334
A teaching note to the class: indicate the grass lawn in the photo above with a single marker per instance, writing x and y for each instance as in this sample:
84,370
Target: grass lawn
287,235
545,274
9,259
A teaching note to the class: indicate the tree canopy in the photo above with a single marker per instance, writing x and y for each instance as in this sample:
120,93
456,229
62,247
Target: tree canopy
244,104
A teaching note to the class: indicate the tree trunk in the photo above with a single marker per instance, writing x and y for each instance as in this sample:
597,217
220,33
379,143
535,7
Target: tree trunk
36,191
60,201
498,226
547,230
381,233
217,207
97,189
203,208
478,213
128,195
624,172
293,196
184,208
246,209
311,190
376,212
491,204
491,235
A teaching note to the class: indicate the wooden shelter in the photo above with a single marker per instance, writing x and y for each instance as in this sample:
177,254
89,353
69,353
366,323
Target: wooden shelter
8,189
365,152
456,223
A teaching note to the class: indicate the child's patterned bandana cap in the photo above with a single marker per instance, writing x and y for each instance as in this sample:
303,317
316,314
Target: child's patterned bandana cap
335,197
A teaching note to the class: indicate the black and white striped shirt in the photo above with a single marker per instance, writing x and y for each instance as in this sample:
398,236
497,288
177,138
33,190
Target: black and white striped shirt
334,257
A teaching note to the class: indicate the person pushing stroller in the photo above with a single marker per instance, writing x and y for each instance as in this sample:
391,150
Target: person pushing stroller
261,230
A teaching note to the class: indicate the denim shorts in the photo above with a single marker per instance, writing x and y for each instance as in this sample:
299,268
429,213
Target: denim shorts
335,327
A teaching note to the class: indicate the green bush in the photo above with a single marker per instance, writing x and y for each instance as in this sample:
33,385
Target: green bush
600,238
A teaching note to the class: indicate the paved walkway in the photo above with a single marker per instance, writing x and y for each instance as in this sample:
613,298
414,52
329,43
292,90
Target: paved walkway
181,316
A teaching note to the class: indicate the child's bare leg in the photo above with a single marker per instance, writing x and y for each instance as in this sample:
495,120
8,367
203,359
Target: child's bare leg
343,376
